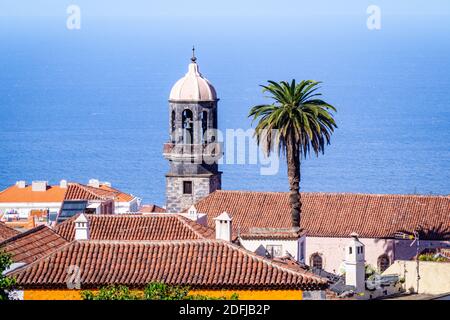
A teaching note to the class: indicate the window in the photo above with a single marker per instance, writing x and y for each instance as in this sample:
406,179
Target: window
172,126
383,262
71,208
204,125
302,251
350,250
274,251
316,261
188,126
187,187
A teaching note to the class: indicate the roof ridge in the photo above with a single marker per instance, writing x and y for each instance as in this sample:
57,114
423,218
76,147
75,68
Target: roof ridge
62,224
147,242
116,190
23,234
45,257
269,261
92,190
335,193
186,221
4,190
135,215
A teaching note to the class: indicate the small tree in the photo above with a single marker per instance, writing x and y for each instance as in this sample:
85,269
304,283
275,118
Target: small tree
110,292
6,283
153,291
161,291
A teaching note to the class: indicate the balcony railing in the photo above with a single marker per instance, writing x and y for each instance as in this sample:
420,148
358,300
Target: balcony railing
190,150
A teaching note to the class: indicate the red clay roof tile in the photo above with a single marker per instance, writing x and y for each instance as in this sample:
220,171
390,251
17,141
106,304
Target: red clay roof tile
151,208
120,196
333,214
199,264
138,227
32,244
7,232
76,191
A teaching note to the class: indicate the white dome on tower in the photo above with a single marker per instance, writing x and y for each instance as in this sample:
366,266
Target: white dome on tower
193,86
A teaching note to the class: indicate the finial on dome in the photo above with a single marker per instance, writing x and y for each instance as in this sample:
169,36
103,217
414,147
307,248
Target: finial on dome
193,59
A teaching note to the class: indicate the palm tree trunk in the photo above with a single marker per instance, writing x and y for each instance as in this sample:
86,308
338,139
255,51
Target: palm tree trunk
293,166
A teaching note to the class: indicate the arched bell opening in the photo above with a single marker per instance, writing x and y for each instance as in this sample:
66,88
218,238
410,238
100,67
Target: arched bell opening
188,126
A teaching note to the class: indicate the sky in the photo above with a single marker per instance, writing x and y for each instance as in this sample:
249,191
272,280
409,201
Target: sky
128,54
229,8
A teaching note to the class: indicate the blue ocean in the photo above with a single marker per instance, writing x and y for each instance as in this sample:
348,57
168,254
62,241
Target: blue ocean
92,103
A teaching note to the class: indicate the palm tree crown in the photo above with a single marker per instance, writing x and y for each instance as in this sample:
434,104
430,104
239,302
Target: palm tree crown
296,123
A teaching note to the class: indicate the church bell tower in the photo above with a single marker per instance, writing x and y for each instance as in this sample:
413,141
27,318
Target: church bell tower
193,151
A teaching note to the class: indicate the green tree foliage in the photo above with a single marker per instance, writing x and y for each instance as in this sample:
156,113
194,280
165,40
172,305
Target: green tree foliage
6,283
110,292
161,291
296,123
431,257
153,291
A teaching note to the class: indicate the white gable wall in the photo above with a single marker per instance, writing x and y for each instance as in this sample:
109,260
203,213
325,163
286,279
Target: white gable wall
126,207
259,246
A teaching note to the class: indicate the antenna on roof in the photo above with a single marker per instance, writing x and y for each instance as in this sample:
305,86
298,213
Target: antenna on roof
193,59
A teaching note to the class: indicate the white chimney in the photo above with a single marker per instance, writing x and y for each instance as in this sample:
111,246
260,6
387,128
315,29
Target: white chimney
21,184
106,183
81,228
39,186
355,271
94,183
223,227
63,184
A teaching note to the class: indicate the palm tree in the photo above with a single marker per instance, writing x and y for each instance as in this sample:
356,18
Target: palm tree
296,122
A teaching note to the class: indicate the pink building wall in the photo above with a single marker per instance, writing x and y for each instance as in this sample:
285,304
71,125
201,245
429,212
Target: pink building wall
332,250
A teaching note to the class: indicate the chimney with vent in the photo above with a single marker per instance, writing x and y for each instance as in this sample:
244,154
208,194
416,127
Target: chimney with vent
223,227
63,184
355,270
81,228
21,184
39,186
94,183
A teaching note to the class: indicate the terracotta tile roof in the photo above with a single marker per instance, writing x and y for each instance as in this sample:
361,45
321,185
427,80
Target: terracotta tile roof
334,214
151,208
120,196
290,262
138,227
199,264
77,191
33,244
7,232
16,194
74,191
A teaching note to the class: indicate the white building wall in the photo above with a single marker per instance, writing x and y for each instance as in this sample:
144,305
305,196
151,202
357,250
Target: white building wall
125,207
434,276
24,208
332,250
259,246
